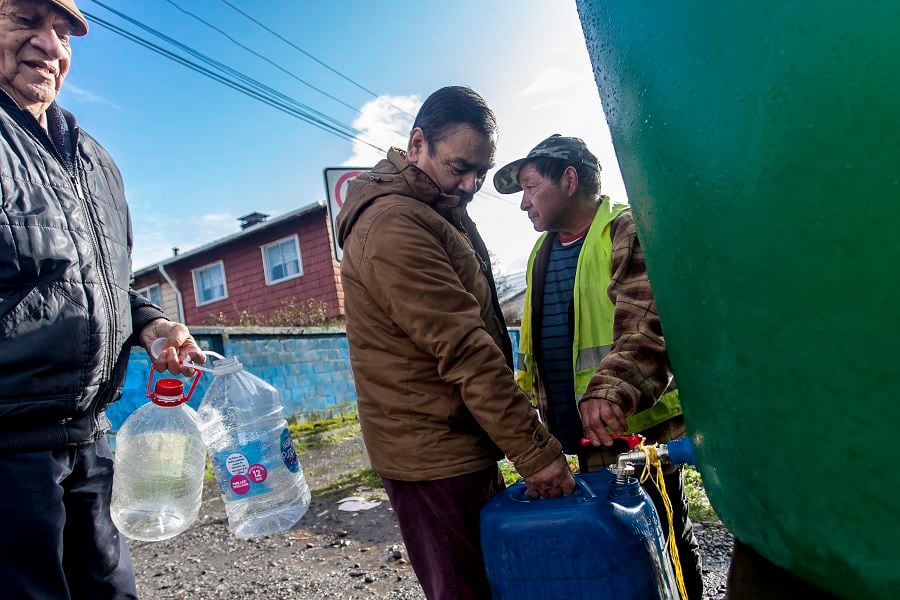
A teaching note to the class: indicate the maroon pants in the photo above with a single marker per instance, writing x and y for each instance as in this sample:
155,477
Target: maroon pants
439,523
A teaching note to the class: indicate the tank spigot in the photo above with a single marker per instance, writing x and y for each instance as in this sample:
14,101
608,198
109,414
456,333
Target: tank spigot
676,452
631,458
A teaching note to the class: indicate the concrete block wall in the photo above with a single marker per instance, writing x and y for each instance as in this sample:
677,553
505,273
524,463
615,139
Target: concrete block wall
309,367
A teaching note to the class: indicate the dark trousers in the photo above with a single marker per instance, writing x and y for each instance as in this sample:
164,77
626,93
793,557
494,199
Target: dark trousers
688,547
439,521
752,577
58,538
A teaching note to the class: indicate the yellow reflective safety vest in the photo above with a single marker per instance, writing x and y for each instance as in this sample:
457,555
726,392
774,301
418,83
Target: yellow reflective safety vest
594,313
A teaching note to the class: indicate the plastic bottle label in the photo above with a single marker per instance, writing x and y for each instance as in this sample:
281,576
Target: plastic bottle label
242,473
288,452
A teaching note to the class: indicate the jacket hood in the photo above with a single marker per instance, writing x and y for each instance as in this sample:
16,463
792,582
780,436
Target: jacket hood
395,176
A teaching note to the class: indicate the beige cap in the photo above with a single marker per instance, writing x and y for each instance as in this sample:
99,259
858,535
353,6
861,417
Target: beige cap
78,20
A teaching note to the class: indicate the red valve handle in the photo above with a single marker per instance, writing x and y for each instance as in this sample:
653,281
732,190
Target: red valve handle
632,440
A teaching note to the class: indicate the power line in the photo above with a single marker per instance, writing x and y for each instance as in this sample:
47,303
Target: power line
223,67
493,198
248,91
260,91
307,54
493,195
258,55
267,59
253,88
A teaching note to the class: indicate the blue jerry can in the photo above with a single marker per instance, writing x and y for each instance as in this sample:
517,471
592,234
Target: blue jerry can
603,541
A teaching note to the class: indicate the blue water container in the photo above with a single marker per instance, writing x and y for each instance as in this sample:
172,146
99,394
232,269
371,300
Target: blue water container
603,541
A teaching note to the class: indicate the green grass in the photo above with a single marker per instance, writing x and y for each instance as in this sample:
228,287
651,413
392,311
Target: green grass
325,424
699,507
348,483
331,430
510,475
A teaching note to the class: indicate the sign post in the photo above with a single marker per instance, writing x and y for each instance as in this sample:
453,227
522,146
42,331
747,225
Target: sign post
336,180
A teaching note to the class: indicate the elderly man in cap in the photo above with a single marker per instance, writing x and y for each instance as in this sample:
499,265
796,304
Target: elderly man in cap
591,351
67,322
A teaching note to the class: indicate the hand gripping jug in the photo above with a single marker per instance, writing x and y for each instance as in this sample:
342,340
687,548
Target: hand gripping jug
159,464
254,458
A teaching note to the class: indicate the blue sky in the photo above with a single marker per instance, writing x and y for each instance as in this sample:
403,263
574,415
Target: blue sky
195,155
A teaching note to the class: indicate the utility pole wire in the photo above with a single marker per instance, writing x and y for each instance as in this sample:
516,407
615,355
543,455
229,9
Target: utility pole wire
223,67
257,91
257,54
310,56
248,91
234,41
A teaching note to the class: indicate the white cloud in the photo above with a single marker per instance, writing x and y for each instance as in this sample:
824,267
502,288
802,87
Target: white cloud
82,95
384,122
551,79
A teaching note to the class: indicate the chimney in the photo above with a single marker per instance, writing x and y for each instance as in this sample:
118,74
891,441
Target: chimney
252,219
175,251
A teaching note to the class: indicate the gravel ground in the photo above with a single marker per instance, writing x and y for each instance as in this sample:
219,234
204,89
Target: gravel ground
335,554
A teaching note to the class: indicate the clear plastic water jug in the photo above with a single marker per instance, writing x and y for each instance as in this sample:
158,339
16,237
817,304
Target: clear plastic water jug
159,463
254,458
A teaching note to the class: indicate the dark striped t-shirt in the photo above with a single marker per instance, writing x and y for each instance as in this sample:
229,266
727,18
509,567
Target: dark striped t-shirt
556,346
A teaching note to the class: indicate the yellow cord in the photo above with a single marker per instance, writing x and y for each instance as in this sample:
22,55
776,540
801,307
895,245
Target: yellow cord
653,461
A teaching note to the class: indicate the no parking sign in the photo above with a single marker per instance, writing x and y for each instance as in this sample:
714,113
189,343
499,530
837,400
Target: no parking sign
336,181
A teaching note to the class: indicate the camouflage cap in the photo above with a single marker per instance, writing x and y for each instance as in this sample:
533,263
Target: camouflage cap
506,180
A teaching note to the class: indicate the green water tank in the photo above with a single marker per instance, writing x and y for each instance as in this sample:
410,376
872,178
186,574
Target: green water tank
760,146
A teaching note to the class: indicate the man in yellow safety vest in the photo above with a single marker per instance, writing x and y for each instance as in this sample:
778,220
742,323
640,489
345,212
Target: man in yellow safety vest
591,348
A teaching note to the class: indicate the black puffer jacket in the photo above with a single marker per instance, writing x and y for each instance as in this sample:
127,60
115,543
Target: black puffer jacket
66,311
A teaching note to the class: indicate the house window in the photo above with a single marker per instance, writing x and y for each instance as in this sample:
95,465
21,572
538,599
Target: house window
209,283
152,293
281,260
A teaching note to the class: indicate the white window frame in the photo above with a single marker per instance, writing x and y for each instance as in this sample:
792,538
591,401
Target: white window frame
299,273
147,289
195,272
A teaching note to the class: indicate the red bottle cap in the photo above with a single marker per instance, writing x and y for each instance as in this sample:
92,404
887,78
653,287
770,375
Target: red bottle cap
168,392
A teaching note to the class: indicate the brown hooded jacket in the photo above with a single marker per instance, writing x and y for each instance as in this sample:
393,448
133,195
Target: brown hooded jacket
436,395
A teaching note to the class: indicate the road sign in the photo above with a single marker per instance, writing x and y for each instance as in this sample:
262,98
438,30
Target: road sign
336,180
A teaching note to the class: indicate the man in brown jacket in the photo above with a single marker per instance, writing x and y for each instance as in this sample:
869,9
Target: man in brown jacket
437,400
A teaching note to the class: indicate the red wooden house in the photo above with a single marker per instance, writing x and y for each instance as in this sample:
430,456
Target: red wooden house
267,265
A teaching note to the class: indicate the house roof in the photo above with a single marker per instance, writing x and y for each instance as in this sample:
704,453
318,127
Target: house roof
302,211
510,286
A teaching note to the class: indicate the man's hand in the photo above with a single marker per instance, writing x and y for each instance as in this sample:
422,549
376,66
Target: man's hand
596,415
179,346
553,481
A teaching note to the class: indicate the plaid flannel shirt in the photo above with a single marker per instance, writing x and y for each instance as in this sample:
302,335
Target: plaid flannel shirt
636,371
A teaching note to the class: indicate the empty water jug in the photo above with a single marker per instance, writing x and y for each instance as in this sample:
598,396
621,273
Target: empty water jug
252,452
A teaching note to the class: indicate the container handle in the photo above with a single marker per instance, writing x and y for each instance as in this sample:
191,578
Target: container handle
581,489
159,344
186,397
